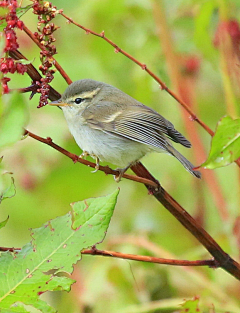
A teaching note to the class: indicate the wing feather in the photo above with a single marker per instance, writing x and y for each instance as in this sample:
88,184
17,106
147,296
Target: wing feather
138,122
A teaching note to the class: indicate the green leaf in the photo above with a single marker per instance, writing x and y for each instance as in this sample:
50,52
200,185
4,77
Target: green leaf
14,116
3,223
22,10
191,306
24,61
54,248
9,192
225,147
81,213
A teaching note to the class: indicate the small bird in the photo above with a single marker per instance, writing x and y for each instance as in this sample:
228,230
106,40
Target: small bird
111,126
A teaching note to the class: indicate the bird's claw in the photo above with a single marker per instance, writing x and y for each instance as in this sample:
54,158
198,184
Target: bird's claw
85,154
118,176
121,172
97,163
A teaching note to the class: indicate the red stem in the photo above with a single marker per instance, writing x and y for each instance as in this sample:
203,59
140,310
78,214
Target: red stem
145,68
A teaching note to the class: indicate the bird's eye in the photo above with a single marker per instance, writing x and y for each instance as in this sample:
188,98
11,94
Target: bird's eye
78,100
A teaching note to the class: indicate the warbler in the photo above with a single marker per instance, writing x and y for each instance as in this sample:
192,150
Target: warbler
111,126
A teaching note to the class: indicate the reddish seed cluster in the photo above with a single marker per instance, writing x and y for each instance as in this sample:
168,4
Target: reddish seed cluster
44,89
12,22
46,8
8,65
46,12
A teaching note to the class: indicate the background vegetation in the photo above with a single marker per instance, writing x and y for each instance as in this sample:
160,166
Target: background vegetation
181,42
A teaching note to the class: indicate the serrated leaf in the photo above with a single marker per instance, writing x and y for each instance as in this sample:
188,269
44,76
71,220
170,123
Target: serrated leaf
191,306
81,212
225,147
13,118
54,248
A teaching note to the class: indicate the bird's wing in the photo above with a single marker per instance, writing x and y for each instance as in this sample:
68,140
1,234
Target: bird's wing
138,122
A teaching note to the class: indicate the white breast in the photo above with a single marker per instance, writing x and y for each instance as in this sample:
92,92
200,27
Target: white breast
113,149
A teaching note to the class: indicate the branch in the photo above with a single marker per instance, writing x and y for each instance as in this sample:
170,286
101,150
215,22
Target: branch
57,65
223,259
185,85
34,74
150,259
145,68
134,257
107,170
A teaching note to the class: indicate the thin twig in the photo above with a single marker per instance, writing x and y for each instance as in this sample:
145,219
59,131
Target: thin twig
134,257
145,68
184,84
150,259
57,65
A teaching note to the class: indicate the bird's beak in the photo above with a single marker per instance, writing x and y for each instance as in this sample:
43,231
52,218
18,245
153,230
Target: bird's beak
58,103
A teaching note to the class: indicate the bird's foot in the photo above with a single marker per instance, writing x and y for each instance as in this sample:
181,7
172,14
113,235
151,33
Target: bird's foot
84,155
97,163
121,171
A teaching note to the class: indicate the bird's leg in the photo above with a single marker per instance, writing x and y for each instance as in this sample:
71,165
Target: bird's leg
121,171
97,162
84,154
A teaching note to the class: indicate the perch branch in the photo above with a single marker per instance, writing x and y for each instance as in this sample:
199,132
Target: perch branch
107,170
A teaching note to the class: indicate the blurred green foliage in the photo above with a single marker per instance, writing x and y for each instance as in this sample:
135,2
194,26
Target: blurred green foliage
47,182
14,116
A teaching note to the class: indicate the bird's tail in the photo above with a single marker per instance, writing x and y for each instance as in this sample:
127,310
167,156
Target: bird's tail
188,165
